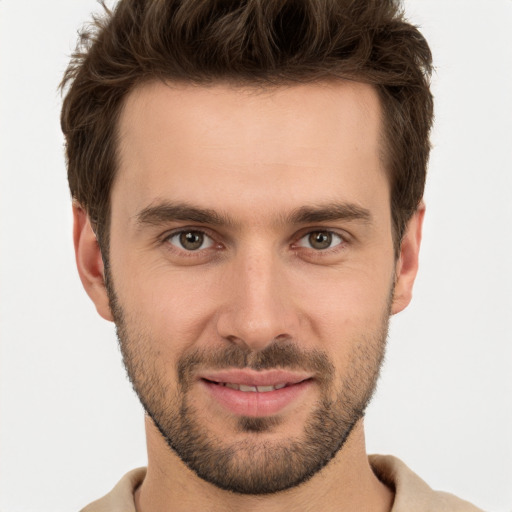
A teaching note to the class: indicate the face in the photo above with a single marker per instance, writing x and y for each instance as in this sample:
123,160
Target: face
252,272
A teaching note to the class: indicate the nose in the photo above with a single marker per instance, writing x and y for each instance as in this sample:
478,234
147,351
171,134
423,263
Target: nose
259,306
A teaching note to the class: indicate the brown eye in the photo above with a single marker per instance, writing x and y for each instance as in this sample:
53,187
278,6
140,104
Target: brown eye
191,240
320,240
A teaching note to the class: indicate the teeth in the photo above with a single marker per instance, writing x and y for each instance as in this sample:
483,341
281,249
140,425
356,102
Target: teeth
252,389
264,389
243,387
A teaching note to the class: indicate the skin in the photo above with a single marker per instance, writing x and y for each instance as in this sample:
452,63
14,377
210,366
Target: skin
254,157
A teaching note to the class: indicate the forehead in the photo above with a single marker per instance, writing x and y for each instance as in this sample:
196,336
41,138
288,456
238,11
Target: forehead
246,145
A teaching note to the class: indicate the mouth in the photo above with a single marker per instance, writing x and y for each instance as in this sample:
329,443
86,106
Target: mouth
256,394
251,389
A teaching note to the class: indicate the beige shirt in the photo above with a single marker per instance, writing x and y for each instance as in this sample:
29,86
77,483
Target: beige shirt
412,494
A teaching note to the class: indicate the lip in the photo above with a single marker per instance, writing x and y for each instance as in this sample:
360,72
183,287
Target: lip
256,378
254,403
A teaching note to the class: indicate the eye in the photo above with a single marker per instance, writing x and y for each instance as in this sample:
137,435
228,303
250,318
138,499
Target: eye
191,240
320,240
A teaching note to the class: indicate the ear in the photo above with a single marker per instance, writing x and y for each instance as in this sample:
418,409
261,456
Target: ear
407,263
89,261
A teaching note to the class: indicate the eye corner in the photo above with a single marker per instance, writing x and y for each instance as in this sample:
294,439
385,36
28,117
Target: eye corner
320,240
191,240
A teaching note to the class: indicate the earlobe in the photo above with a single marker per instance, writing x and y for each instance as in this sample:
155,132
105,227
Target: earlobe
89,261
407,263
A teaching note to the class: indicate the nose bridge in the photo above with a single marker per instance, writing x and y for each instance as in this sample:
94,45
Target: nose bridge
259,309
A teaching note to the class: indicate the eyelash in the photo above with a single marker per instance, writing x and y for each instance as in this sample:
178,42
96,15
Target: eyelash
182,252
330,234
343,241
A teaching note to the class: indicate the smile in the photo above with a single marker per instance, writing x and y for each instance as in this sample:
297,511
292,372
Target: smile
251,389
256,394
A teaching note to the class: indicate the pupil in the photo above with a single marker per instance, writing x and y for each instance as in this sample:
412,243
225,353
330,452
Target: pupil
191,240
320,240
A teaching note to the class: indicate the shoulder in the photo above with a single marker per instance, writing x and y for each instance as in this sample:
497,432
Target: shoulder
412,494
120,498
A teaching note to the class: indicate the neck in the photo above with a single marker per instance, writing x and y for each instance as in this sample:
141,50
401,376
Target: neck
346,483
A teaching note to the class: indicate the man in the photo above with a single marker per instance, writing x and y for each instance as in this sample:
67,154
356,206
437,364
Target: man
247,181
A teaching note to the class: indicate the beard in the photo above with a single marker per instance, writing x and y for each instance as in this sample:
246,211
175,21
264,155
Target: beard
257,464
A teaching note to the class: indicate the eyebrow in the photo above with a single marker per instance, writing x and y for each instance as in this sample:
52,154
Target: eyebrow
168,212
330,212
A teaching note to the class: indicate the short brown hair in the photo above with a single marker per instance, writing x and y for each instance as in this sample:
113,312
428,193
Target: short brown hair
260,42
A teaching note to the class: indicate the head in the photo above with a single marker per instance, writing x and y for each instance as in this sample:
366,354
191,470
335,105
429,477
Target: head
253,175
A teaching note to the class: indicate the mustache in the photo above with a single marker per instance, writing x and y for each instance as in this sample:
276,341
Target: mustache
277,355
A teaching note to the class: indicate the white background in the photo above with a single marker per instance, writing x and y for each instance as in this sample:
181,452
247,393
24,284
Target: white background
70,425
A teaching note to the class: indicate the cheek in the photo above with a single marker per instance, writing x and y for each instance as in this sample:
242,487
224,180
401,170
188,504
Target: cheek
174,307
346,302
349,321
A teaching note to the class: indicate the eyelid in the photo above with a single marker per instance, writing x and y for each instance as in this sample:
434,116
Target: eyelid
166,237
333,234
322,256
341,233
206,241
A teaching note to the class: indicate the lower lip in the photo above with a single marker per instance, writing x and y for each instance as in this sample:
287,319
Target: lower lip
255,404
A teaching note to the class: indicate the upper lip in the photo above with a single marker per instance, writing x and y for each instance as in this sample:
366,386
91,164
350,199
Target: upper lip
249,377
